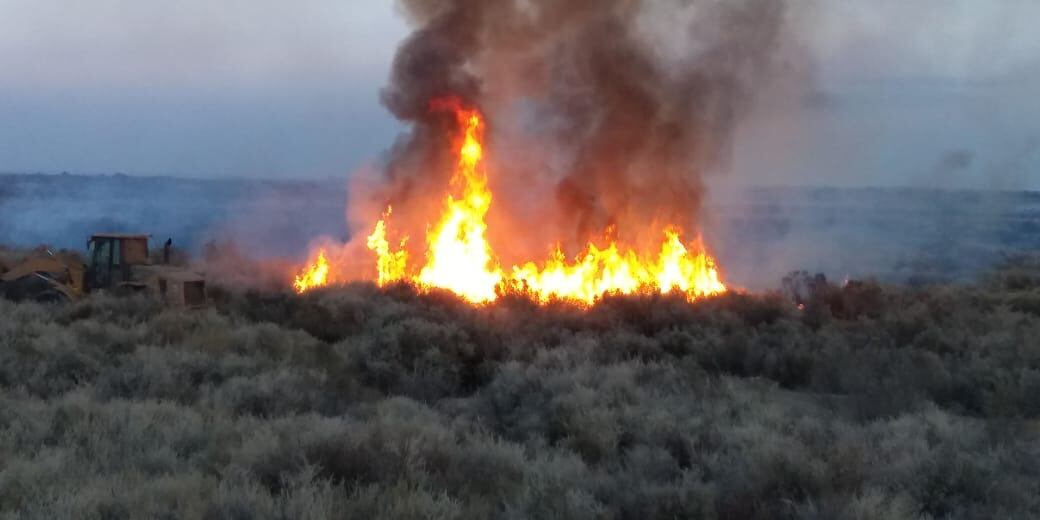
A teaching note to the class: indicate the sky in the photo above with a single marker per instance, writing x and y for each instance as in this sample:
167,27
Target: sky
908,92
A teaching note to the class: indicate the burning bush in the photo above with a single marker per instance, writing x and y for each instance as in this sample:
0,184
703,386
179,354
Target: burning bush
546,160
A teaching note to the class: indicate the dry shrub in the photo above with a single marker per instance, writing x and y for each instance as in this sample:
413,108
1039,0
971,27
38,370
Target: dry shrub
869,402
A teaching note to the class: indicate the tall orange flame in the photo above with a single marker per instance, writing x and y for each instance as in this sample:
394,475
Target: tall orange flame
390,264
460,258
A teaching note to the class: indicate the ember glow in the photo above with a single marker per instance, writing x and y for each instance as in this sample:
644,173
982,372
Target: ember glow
460,258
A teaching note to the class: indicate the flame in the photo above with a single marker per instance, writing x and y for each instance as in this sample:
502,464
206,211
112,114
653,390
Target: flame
390,264
460,258
602,271
317,275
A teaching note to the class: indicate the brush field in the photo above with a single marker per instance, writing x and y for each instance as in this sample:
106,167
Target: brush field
871,402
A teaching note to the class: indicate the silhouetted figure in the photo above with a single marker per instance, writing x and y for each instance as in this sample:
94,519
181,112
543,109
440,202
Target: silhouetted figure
166,250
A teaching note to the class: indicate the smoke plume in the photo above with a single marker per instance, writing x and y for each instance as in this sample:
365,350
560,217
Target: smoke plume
602,114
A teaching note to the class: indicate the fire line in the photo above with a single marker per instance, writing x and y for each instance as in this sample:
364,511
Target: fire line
460,258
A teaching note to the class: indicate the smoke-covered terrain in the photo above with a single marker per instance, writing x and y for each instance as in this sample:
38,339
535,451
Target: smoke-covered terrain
899,235
264,218
869,403
758,235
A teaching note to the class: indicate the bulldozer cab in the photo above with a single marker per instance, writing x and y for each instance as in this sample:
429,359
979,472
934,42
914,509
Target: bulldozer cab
111,257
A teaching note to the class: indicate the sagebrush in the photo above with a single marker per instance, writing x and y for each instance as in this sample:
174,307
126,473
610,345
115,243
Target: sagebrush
868,402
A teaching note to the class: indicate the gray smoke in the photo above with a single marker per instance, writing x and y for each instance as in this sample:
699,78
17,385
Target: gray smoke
619,107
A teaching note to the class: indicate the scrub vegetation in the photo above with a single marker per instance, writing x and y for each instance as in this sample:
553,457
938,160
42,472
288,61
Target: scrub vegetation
870,401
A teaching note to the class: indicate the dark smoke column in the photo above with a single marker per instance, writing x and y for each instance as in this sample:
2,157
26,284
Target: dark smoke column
633,101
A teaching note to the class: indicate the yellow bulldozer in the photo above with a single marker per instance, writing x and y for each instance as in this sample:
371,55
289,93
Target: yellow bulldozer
118,263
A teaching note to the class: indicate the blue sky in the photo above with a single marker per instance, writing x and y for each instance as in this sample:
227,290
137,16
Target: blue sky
924,92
